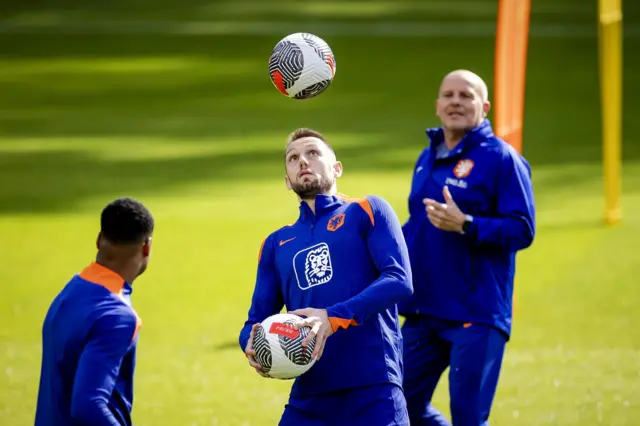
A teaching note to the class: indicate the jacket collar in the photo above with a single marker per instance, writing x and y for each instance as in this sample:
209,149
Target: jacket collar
476,135
105,277
323,204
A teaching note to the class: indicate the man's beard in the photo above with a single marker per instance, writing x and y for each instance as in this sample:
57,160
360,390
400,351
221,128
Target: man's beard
309,190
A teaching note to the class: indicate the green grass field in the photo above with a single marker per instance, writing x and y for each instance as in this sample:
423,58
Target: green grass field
191,125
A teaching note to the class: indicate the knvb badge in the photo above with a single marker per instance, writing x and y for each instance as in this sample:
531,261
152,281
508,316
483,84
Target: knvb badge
335,222
463,168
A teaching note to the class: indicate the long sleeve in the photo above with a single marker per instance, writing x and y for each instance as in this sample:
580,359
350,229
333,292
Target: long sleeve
267,297
388,251
98,368
513,228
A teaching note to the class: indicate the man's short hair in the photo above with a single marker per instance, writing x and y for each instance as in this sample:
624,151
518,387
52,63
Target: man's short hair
126,221
305,132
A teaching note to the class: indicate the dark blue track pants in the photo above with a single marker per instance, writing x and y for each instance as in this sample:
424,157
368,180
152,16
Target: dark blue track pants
474,354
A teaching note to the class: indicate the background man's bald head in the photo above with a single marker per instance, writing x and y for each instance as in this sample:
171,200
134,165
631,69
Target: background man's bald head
473,79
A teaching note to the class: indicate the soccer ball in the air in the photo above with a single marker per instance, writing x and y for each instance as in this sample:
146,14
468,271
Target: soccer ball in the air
278,346
302,66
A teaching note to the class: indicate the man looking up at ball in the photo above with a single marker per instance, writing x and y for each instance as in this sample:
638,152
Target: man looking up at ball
349,298
471,209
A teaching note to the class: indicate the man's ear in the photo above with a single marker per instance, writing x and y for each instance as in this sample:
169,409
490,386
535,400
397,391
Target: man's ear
337,169
486,107
98,239
146,247
287,182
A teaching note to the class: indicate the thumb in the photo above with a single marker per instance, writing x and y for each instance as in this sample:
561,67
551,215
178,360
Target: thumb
447,195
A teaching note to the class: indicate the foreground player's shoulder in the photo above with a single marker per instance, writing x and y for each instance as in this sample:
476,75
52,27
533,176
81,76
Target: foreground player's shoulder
117,320
373,208
284,233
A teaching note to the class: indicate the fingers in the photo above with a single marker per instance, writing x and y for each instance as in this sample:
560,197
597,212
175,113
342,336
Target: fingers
320,329
249,349
437,212
441,220
257,366
253,332
315,325
326,335
302,312
436,217
262,373
307,322
318,347
318,332
431,205
251,353
321,339
441,223
435,222
447,195
253,362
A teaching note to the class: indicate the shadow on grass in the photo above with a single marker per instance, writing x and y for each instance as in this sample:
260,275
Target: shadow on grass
60,180
51,181
207,88
202,87
227,346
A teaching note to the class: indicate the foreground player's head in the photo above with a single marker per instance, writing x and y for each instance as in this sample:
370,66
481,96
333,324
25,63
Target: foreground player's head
124,241
311,164
463,101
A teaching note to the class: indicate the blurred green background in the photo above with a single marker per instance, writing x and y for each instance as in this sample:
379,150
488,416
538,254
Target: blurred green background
170,102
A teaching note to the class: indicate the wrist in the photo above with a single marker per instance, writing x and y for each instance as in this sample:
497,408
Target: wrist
466,224
332,311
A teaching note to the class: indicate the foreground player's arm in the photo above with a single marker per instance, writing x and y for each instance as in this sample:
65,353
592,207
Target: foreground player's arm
98,368
389,253
267,295
513,228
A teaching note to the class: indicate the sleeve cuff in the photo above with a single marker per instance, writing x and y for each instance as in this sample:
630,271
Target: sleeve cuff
338,322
